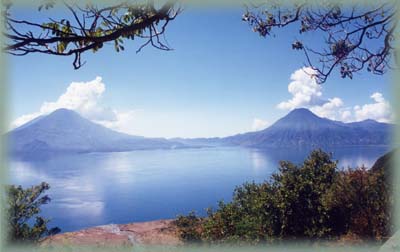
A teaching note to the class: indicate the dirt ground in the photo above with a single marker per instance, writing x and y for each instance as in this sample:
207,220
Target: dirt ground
160,232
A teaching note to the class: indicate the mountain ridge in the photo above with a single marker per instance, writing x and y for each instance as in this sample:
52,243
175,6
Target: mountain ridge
302,128
66,131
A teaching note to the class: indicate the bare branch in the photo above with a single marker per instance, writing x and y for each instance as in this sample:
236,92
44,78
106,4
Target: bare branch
347,33
65,37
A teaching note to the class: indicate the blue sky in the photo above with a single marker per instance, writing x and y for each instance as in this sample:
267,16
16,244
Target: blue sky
220,79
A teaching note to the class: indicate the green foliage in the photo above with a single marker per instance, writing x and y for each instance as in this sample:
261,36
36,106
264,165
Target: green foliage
189,227
244,219
360,201
22,208
313,200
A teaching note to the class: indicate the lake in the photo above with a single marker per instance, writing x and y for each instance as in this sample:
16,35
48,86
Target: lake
102,188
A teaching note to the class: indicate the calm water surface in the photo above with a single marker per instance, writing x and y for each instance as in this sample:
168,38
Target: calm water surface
103,188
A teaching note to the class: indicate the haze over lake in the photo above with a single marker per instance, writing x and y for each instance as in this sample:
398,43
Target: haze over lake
121,187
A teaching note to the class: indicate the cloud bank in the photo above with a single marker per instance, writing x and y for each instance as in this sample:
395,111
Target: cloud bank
259,124
306,93
86,99
380,110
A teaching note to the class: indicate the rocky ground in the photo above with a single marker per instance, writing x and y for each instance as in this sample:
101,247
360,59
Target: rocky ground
160,232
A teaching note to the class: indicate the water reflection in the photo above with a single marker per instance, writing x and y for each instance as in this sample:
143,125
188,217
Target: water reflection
74,192
102,188
76,206
346,156
260,161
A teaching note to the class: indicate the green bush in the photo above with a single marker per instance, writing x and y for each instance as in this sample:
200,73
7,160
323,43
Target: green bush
360,201
314,201
189,227
244,219
22,209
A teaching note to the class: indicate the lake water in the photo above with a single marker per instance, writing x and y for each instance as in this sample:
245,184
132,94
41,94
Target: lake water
103,188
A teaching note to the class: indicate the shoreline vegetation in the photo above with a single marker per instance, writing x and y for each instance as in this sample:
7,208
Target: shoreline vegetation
313,201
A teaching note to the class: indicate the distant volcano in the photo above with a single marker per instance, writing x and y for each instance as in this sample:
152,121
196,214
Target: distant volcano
66,131
302,128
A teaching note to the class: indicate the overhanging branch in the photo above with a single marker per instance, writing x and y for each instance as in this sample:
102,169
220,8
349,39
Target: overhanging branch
65,37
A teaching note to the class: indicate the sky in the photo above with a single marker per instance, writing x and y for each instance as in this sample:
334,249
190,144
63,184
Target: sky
221,79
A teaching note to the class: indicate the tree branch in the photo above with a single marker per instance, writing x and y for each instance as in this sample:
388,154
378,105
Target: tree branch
112,23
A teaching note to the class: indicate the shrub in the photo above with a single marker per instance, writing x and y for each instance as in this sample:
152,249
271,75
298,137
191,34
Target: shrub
361,201
311,201
22,209
189,227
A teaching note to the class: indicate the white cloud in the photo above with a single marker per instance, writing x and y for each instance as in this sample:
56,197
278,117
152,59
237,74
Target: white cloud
24,119
259,124
346,116
304,89
331,109
380,110
124,121
85,98
306,93
79,96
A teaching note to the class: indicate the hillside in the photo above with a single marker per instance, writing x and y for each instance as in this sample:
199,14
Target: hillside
67,132
302,128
